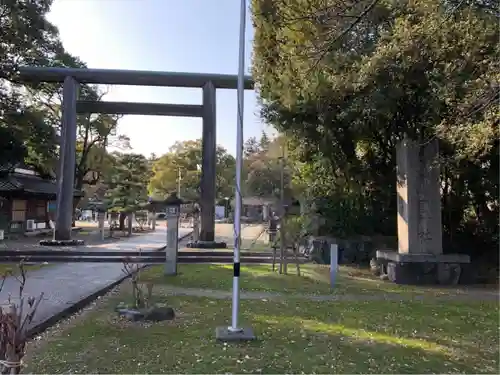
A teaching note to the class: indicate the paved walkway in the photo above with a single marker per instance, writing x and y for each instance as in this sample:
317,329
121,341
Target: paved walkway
222,294
250,233
66,284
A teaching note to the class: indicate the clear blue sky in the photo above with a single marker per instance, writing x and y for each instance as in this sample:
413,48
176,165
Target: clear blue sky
169,35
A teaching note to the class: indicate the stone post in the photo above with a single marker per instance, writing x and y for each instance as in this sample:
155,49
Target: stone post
334,261
265,212
100,219
208,176
196,227
64,214
172,241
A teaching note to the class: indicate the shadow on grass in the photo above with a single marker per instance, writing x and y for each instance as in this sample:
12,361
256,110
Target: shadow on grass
253,278
314,279
293,336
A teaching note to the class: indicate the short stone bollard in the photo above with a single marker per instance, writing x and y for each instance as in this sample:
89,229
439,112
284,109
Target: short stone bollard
334,260
196,228
100,219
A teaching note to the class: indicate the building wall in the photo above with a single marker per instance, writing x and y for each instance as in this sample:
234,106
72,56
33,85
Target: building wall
16,210
36,209
19,208
29,208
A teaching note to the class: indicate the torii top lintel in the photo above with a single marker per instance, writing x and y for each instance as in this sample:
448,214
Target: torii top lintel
132,77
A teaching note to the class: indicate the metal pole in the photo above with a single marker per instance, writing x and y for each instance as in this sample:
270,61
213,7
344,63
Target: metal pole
179,182
239,166
284,211
282,215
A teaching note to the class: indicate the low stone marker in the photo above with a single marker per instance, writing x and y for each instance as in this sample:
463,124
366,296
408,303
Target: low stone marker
156,313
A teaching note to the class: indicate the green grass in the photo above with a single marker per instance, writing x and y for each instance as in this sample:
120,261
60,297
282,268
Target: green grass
314,279
294,336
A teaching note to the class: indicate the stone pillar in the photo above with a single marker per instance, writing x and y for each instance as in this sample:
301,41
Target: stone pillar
208,176
64,215
419,198
265,212
196,227
153,221
100,218
172,241
420,258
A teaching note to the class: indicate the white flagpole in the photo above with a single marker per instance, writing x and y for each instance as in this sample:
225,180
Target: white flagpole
239,164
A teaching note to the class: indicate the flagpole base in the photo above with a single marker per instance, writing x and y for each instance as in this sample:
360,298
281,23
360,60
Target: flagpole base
227,334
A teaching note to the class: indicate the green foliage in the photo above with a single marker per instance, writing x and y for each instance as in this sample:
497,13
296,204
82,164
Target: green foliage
127,183
25,38
30,119
186,158
346,80
263,167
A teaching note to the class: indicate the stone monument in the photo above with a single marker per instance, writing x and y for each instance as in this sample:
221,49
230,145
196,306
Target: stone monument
420,258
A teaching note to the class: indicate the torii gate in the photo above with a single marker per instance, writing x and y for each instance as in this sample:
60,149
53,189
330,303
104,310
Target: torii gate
71,106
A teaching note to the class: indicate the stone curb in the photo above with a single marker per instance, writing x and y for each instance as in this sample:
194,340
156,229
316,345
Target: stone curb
40,327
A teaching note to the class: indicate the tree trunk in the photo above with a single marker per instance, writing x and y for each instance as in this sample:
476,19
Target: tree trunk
297,262
130,217
123,215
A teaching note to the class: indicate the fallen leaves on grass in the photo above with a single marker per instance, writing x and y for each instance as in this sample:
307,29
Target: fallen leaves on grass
315,280
293,337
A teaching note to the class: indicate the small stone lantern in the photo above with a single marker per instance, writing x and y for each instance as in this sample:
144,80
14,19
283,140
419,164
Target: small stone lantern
172,210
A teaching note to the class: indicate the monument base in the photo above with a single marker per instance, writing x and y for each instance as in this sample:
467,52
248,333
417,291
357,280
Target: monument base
206,245
424,269
226,335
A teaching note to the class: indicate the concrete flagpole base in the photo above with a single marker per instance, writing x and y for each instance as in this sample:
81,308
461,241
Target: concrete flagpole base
225,334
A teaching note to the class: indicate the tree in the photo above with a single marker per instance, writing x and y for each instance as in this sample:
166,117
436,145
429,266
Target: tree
30,119
263,169
186,158
264,142
95,132
251,147
263,179
26,38
127,184
346,80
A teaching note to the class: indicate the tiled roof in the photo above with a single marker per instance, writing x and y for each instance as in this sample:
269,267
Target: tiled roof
8,185
9,167
33,184
30,184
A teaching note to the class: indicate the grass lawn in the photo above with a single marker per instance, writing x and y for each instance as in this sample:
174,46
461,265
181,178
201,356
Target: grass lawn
314,279
294,336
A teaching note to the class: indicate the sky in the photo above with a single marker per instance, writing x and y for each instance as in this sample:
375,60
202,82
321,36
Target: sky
199,36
